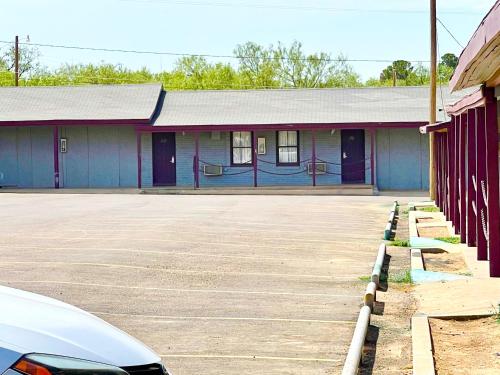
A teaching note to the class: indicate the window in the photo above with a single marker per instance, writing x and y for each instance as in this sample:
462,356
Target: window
288,148
241,148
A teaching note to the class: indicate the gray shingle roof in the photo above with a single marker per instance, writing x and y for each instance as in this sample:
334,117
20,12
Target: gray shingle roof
230,107
93,102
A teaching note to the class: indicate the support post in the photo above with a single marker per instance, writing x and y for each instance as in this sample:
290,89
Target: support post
492,177
437,156
313,139
372,157
481,209
196,161
16,61
462,180
254,147
471,175
451,171
139,159
456,220
56,156
432,96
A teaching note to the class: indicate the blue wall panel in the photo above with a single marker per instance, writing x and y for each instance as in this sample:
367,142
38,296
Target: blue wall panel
104,157
99,157
402,159
26,157
128,156
74,164
42,154
147,160
24,164
8,156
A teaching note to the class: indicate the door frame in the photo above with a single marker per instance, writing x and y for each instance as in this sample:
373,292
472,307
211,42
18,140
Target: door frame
158,134
363,180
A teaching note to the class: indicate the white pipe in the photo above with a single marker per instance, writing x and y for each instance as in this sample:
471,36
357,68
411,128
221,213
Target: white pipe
358,341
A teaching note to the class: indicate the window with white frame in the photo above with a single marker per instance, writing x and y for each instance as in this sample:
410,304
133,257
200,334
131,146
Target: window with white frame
241,148
287,147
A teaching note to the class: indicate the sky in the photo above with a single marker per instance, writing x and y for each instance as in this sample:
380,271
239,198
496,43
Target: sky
361,29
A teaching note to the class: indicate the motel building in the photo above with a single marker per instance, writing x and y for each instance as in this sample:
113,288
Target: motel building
141,136
466,146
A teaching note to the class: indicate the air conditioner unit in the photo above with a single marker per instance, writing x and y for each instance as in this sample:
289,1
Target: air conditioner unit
212,170
320,168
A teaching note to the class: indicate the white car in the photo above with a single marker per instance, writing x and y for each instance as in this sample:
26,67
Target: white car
43,336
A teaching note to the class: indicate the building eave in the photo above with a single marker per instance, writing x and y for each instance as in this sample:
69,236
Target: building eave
476,62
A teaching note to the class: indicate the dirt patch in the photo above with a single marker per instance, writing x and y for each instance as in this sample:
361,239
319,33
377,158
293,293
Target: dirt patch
433,232
445,262
466,347
428,220
388,343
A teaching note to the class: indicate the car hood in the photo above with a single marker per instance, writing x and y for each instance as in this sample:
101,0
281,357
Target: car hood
31,323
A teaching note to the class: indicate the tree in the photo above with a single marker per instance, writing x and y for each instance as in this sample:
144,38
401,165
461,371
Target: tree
449,60
402,68
28,60
257,66
296,69
342,74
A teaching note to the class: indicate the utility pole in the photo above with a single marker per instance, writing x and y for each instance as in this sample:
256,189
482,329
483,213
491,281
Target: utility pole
432,107
394,76
16,60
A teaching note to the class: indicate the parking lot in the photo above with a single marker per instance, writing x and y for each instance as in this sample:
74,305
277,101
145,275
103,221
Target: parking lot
214,284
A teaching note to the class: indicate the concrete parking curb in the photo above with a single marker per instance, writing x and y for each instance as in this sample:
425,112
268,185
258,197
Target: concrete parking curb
390,222
354,355
423,360
377,268
417,263
370,295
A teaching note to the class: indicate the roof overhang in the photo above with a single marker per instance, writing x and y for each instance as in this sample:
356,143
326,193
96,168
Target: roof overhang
438,126
478,62
73,122
298,126
473,100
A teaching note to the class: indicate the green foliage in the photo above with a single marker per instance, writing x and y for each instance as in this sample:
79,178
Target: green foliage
400,243
286,66
402,277
450,60
453,240
401,68
28,60
429,209
409,75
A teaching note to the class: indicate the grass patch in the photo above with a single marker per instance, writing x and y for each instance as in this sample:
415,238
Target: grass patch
453,240
429,209
365,278
402,277
404,212
400,243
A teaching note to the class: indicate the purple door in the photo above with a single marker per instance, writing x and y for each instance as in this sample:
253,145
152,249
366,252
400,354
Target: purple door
353,156
163,159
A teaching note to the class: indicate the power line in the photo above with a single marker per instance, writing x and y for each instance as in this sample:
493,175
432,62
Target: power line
449,32
162,53
289,7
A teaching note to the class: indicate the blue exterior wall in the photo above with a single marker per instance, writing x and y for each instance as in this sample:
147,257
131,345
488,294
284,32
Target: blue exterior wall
147,160
107,157
218,151
402,159
26,157
100,157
